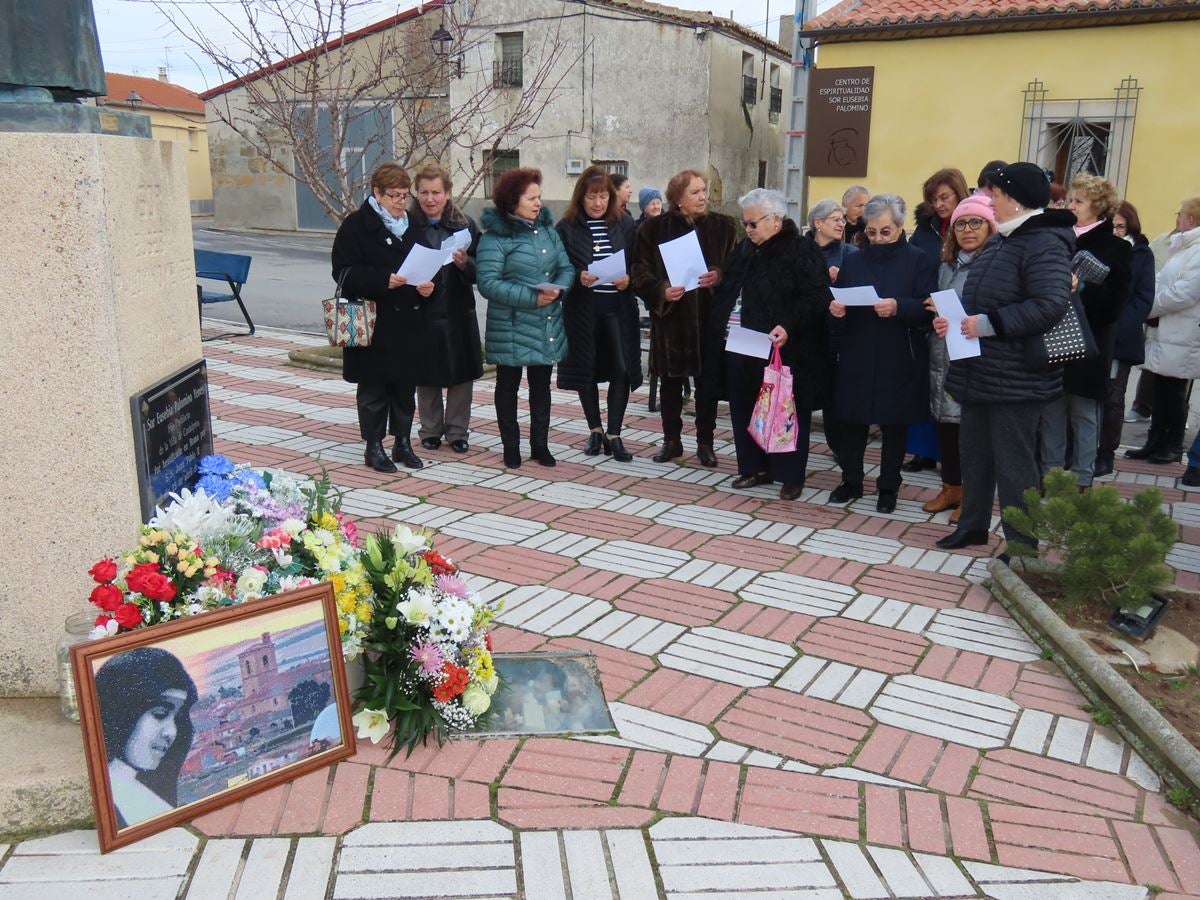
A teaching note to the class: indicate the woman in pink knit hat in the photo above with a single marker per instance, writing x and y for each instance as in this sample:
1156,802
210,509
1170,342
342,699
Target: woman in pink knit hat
972,223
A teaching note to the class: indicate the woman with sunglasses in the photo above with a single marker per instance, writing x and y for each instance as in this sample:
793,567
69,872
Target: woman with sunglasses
971,225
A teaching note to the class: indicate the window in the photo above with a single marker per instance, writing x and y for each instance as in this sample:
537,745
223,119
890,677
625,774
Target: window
762,173
506,68
749,82
194,140
613,166
265,663
498,162
776,103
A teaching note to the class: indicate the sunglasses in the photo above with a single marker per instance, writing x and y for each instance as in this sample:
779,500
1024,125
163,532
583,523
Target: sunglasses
754,224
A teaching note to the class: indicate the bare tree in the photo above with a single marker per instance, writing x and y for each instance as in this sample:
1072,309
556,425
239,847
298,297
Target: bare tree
322,103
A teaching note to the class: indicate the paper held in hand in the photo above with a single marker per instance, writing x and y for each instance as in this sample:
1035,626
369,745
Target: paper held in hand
421,264
950,308
748,342
608,269
460,240
855,296
548,286
684,261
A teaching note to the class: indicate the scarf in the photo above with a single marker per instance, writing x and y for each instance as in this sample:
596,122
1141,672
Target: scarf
1084,229
396,226
1007,228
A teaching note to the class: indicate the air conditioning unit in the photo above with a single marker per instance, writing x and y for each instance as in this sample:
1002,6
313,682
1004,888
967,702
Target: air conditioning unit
575,166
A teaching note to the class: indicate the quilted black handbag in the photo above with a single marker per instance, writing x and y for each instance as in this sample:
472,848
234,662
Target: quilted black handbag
1070,340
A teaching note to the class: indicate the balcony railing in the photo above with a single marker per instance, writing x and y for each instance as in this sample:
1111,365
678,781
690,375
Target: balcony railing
749,90
506,73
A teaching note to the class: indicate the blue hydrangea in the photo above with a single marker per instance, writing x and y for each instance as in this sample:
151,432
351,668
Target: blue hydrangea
248,478
214,486
215,464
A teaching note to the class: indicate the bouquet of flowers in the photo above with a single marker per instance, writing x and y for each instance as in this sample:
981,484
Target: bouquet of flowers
240,535
428,654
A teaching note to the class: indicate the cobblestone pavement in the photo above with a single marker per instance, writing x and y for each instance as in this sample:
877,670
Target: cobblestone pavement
811,701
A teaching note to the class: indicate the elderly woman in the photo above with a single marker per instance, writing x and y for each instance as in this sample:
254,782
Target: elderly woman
782,283
603,335
854,200
449,357
972,224
369,247
882,371
519,251
1085,383
827,229
1016,291
650,204
679,317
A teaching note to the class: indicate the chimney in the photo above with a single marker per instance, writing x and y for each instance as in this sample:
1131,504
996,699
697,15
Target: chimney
787,25
162,75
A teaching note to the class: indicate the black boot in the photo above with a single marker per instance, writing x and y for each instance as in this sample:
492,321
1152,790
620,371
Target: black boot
617,448
512,457
1154,439
670,449
1171,449
402,452
963,537
596,444
543,456
376,458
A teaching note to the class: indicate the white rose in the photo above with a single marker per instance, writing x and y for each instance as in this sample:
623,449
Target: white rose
475,700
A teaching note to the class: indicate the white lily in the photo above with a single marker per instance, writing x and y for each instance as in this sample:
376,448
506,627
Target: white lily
371,723
418,608
409,542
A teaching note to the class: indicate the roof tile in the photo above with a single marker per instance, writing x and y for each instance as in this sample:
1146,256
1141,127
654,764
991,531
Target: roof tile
154,93
889,12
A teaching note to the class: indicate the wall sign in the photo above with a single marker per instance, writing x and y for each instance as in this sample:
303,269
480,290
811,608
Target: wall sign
171,432
839,121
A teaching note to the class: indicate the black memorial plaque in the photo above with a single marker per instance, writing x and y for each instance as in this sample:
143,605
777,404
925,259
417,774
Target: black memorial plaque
172,430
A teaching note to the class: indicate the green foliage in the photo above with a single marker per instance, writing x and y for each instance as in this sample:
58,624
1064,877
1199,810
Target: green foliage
1112,550
1101,715
1181,797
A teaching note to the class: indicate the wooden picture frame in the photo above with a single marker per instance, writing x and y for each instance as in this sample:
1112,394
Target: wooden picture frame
233,684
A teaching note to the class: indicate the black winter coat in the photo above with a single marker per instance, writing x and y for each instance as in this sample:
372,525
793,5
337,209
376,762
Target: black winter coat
578,368
783,281
1131,339
1022,283
449,352
370,252
927,236
677,329
881,375
1102,303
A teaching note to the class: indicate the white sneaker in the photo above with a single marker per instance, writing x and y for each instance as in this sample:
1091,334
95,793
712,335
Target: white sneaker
1131,417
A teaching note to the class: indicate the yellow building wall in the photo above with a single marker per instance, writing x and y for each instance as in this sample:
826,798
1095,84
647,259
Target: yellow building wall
190,131
959,101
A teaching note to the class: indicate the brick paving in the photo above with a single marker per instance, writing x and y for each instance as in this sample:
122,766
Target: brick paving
810,701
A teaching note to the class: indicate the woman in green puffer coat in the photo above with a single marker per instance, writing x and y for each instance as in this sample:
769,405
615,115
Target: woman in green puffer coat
519,251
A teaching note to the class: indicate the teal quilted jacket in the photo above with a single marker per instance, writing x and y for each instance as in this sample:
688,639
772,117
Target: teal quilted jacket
512,257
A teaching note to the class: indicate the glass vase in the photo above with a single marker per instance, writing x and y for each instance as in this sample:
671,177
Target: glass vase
75,631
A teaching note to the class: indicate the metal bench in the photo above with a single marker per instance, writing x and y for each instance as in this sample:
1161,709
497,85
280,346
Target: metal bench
231,268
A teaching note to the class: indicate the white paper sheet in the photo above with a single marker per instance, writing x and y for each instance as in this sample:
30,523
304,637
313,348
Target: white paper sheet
609,269
421,264
548,286
855,296
461,239
684,261
950,308
748,342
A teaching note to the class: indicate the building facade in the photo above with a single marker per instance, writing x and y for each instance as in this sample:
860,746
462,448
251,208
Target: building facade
1098,91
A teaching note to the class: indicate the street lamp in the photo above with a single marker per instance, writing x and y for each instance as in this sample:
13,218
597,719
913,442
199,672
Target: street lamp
133,100
441,40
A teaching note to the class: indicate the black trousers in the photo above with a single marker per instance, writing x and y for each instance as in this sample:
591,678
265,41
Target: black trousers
671,408
998,444
947,433
1168,421
1113,413
610,361
744,376
508,380
384,408
850,444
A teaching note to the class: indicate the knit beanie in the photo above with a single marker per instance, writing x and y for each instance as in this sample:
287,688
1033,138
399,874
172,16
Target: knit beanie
1025,183
645,195
976,205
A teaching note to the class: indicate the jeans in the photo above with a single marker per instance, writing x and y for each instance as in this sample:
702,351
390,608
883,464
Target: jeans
1082,416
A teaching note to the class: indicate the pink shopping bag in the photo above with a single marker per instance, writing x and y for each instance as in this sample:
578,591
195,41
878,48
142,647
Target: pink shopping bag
773,422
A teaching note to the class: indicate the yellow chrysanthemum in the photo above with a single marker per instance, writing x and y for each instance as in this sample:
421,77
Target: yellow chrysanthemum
363,611
482,666
346,602
343,626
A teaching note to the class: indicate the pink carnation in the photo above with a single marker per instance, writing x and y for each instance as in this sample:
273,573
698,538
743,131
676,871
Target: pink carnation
349,530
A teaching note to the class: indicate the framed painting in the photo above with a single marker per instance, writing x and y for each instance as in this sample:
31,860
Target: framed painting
185,717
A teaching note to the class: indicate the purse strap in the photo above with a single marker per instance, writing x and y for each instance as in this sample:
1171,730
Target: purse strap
339,300
776,358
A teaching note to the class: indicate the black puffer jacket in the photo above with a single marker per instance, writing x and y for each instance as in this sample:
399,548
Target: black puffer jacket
927,236
578,369
1022,283
1103,304
783,281
1131,339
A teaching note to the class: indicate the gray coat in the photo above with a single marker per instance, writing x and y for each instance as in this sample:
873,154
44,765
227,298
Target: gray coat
943,407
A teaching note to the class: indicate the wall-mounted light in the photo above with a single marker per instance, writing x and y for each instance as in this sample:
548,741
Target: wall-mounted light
133,100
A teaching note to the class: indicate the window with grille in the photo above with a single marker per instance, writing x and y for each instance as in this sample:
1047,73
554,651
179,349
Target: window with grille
776,101
749,82
613,166
499,162
507,67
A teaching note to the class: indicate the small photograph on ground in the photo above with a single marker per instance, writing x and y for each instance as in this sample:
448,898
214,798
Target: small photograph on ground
546,693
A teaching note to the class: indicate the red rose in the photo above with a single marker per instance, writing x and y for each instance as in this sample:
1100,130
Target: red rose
137,575
107,596
104,571
128,615
147,580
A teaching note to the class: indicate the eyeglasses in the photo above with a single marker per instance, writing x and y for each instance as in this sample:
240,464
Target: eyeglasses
1120,226
754,224
833,220
873,233
972,224
396,195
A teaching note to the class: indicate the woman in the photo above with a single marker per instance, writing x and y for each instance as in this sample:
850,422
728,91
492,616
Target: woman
881,374
1017,290
520,250
650,204
679,317
603,334
449,356
623,188
826,229
1085,383
942,192
1130,347
972,224
145,698
783,285
853,201
369,248
1173,348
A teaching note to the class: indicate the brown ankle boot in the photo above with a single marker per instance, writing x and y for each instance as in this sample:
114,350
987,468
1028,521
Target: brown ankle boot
954,515
949,498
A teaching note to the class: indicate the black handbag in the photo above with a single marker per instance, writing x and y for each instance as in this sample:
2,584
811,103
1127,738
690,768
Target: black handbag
1071,340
